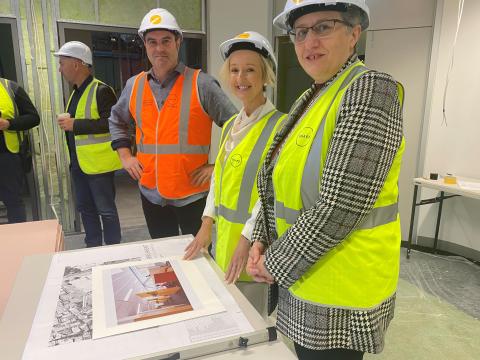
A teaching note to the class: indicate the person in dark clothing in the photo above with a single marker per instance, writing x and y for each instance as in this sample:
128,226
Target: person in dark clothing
92,161
17,114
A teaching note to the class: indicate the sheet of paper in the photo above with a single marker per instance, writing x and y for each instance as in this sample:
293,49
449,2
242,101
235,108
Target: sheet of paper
63,323
142,294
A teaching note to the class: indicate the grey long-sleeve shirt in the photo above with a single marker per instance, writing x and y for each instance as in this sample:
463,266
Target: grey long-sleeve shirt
212,98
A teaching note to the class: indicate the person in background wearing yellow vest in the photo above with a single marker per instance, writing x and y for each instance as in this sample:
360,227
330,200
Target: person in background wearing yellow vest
328,232
17,114
249,66
173,107
92,160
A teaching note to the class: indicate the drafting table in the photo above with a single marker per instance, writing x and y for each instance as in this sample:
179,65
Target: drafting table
453,189
21,308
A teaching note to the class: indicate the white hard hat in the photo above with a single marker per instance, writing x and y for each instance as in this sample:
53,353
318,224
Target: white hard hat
282,20
159,19
77,50
249,40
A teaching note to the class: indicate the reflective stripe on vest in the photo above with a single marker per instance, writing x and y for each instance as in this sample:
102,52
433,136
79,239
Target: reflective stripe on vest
94,152
376,217
91,139
226,129
242,213
9,111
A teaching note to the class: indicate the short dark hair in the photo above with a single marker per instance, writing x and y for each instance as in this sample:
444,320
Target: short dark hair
175,33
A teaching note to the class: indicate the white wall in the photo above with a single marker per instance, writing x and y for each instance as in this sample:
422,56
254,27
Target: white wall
398,42
227,18
394,14
455,148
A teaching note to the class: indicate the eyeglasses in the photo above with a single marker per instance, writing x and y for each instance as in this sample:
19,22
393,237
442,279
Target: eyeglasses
321,29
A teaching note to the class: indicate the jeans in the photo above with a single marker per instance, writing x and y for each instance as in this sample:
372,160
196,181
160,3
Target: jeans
164,221
11,186
95,199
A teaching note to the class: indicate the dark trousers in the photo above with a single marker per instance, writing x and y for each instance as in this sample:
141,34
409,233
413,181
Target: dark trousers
332,354
95,197
164,221
11,186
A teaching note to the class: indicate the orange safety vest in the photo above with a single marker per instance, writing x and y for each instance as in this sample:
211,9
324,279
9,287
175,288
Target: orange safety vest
174,141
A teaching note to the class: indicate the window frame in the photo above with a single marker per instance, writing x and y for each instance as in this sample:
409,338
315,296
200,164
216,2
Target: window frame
16,47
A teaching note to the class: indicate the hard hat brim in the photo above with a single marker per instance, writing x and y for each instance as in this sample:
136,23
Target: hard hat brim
226,45
280,20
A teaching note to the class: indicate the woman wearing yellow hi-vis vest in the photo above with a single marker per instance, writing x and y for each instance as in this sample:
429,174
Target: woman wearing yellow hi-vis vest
249,66
92,160
328,230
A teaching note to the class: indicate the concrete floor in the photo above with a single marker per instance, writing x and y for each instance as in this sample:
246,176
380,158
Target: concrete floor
438,299
437,311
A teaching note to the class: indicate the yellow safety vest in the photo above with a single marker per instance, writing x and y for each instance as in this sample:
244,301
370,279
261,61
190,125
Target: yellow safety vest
94,151
9,111
235,183
362,271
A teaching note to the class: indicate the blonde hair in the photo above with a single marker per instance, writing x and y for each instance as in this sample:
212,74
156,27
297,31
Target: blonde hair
268,75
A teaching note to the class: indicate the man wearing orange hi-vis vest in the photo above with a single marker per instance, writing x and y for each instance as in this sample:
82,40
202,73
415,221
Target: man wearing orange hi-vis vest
173,107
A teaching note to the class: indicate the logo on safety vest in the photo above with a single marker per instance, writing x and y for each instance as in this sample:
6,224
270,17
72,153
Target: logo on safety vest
236,160
155,19
172,101
242,36
306,134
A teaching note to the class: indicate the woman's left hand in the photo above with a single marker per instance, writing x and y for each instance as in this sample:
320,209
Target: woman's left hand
238,261
259,272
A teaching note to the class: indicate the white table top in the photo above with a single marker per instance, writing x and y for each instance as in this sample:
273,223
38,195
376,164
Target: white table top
450,188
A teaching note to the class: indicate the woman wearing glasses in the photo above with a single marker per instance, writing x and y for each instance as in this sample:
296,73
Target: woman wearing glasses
328,233
249,66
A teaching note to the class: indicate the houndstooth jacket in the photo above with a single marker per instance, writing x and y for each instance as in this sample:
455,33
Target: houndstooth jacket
367,136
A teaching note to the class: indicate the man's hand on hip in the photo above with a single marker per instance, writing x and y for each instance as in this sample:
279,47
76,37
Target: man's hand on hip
130,163
201,175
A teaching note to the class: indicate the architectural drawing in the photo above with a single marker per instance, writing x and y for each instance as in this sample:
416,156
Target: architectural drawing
73,316
143,294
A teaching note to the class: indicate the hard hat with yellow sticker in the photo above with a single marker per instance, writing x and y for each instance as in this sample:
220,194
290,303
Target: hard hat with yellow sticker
296,8
245,35
159,19
249,40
